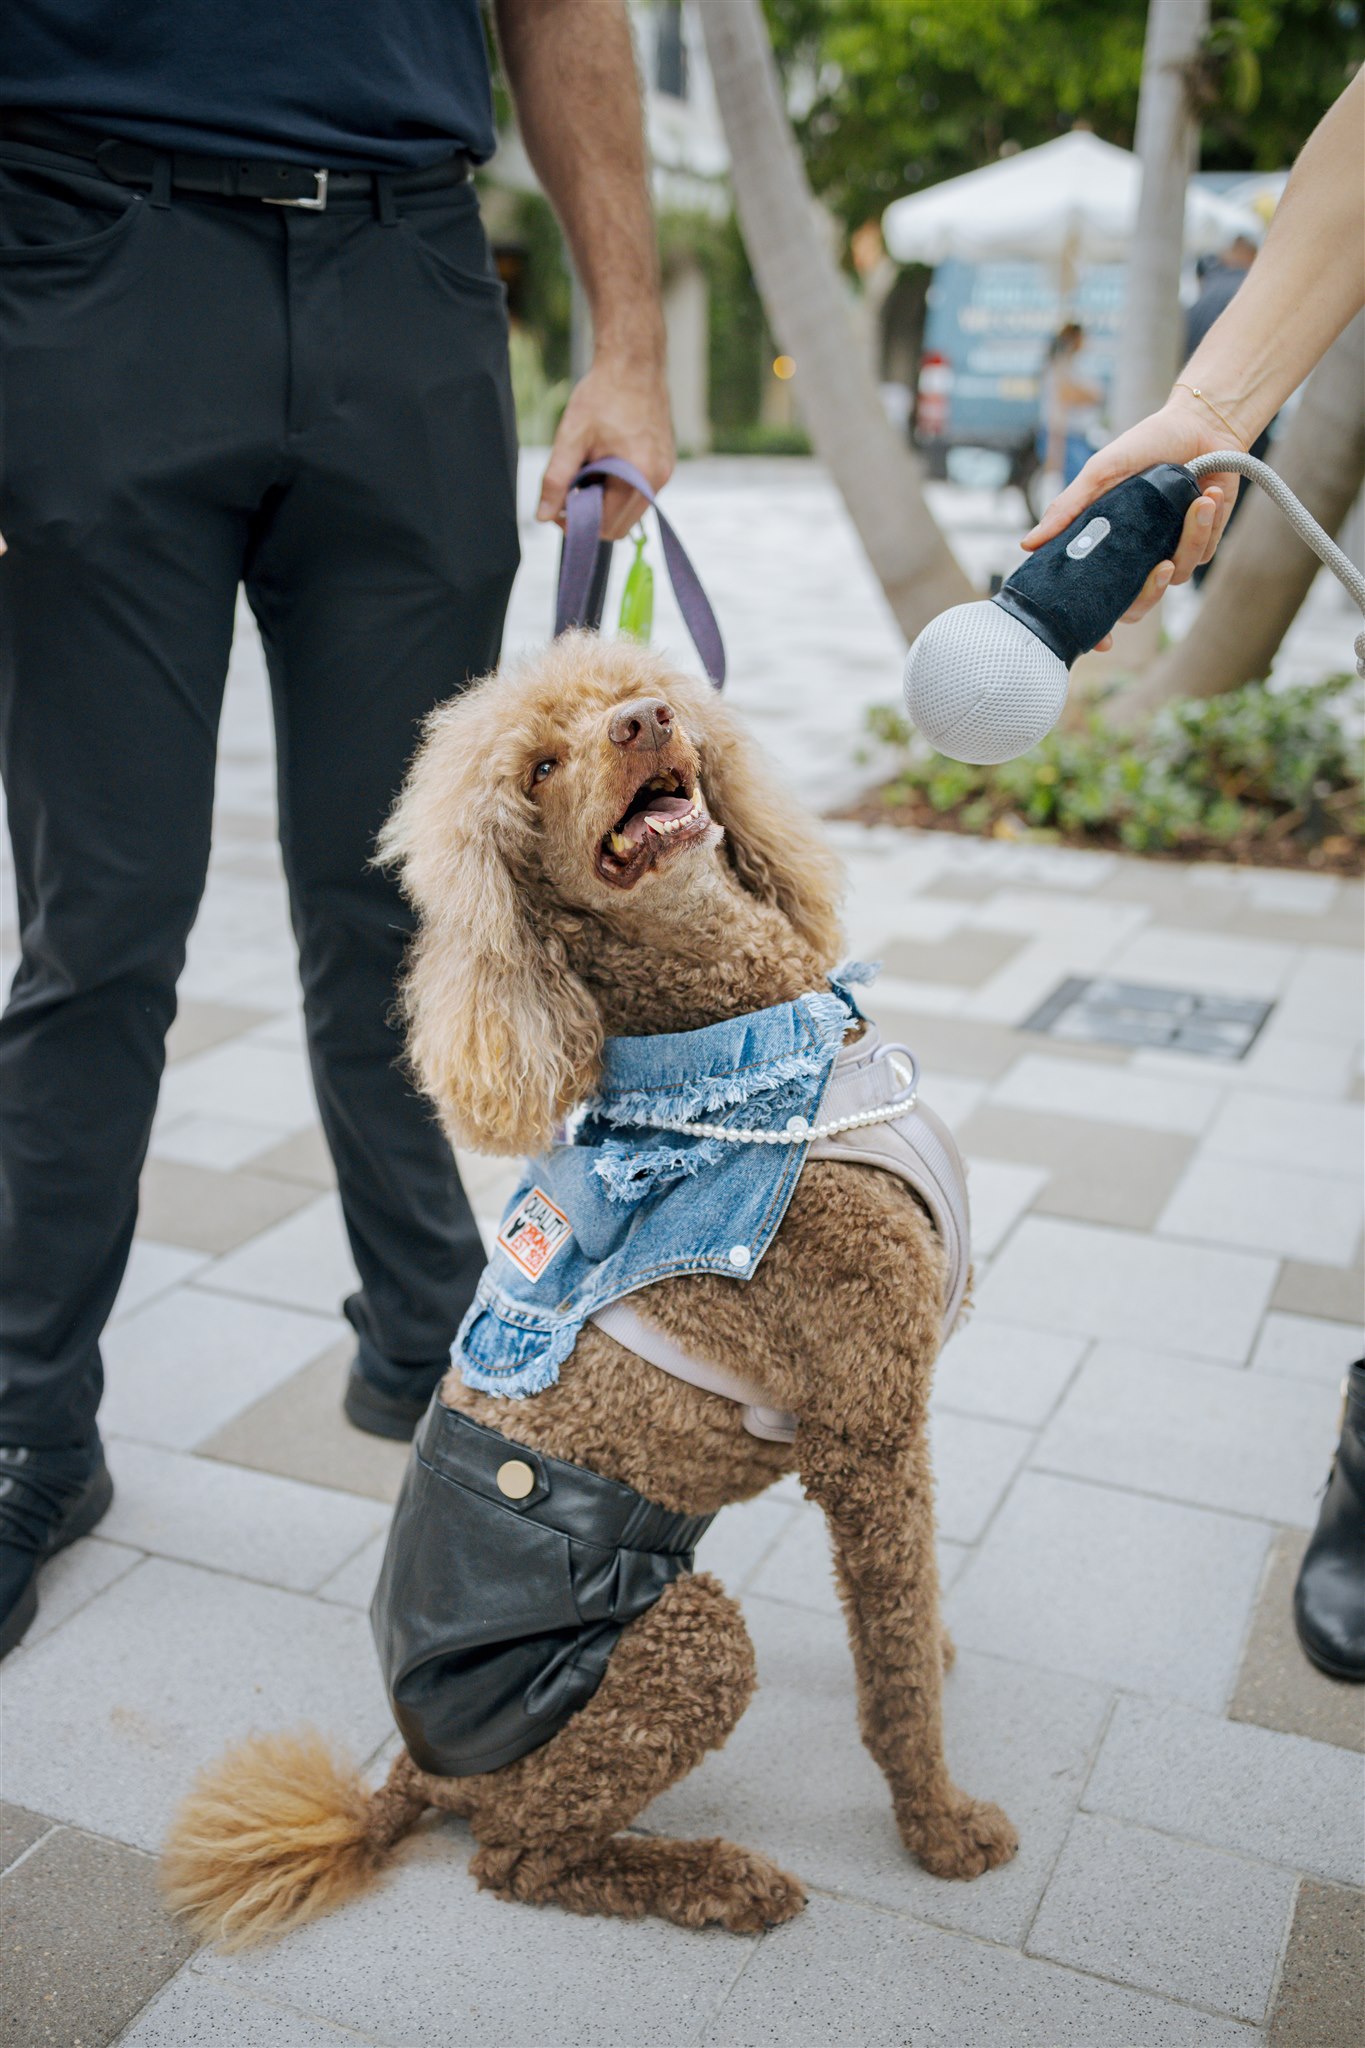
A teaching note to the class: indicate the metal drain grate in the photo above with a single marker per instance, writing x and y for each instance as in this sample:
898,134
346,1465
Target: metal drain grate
1129,1013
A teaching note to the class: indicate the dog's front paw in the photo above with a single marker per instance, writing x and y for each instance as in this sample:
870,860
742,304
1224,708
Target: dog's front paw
962,1839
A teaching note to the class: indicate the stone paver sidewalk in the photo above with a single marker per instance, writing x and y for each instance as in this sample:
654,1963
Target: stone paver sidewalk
1130,1437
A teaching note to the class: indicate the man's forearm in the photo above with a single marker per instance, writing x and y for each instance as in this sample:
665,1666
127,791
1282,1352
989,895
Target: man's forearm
571,68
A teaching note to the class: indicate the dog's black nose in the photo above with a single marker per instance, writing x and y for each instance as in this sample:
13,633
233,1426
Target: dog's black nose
645,723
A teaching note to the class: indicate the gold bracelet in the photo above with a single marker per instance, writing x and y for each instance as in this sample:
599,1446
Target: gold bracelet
1204,399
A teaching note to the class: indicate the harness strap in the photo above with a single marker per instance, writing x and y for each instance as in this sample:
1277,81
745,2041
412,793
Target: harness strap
917,1148
619,1320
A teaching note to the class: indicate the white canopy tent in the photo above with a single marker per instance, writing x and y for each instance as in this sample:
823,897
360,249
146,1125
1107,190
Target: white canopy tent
1070,201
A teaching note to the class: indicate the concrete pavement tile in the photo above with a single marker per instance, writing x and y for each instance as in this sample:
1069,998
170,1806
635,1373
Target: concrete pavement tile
1304,895
1214,1435
153,1269
1004,1371
1308,1348
195,2009
1059,1086
253,1524
974,1462
253,827
741,1536
300,1432
1325,995
795,1781
187,1363
441,1963
222,1142
964,888
1277,1687
843,1974
1236,1787
1081,1280
282,1027
965,960
1096,1172
74,1576
1165,1916
1334,1292
85,1943
19,1830
1113,1587
799,1567
209,1211
1277,1130
353,1585
304,1262
265,1083
1321,1997
1168,958
957,1045
1314,1216
198,1026
1016,991
106,1722
1065,919
1001,1191
303,1156
1284,1062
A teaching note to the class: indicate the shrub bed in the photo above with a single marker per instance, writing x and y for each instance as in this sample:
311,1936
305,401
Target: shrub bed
1270,779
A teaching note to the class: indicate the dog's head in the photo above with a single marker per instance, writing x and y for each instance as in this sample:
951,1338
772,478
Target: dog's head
591,785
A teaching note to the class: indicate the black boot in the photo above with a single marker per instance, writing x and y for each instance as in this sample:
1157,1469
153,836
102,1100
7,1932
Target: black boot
47,1500
1329,1599
392,1411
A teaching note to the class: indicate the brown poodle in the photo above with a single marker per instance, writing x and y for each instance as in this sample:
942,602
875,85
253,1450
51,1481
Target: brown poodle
542,929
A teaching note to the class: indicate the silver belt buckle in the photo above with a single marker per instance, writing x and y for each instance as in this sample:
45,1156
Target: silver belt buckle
318,202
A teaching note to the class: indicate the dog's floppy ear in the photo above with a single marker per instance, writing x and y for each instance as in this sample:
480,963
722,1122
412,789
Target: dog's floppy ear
776,849
502,1035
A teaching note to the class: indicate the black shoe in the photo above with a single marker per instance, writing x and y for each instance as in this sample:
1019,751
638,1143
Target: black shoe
381,1413
1329,1599
47,1500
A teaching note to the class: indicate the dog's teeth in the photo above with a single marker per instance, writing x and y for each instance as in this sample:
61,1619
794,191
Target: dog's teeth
619,844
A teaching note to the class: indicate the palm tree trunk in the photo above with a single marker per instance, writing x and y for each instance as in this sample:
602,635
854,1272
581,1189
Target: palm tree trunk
1262,573
803,297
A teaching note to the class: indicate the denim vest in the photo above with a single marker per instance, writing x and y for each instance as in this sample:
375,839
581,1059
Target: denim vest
620,1206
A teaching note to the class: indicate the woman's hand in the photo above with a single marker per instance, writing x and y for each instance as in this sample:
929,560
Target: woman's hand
1182,429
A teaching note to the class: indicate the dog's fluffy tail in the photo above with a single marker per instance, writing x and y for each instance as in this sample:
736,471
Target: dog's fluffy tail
280,1829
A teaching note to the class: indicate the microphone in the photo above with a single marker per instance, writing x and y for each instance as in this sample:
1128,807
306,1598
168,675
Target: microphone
986,681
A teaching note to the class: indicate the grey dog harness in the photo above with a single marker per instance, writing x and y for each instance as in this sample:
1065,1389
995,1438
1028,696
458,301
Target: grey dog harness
915,1146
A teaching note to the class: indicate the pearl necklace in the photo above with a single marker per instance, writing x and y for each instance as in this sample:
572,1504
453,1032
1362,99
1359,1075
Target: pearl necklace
798,1131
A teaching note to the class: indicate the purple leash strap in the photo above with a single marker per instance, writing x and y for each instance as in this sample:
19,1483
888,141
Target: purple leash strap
585,558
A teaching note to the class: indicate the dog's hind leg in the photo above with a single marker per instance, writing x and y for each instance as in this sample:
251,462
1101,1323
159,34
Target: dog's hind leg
549,1826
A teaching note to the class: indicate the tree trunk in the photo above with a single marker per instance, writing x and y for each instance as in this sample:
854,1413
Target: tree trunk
1262,572
1167,144
803,297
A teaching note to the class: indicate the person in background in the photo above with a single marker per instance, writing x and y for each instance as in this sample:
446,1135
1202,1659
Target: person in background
1218,282
1068,407
1306,285
252,334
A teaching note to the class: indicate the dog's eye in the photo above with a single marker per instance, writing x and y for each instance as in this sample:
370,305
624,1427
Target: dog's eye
543,769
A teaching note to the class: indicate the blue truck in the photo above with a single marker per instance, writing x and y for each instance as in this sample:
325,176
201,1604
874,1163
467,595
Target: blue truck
986,331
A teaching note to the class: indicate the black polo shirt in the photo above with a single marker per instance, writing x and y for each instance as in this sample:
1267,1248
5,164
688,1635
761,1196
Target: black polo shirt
350,84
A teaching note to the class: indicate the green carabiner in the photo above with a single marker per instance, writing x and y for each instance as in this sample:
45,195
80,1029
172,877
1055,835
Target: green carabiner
637,599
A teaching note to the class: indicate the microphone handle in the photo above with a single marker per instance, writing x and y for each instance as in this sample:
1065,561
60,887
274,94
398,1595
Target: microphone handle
1082,582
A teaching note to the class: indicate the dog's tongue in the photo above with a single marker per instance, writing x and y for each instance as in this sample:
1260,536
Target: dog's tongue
638,827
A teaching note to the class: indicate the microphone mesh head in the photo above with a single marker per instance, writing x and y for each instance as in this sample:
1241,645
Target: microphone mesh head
980,686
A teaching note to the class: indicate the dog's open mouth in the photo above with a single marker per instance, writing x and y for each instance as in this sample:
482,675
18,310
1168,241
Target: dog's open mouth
665,813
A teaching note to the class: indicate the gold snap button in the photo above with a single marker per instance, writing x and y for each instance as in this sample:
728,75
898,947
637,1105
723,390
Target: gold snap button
515,1479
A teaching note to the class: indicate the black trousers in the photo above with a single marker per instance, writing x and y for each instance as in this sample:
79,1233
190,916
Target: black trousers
195,394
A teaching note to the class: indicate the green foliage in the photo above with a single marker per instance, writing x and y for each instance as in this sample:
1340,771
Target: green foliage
761,438
897,94
1250,765
544,292
738,343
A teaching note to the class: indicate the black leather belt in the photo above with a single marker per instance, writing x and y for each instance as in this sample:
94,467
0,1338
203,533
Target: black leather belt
225,177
